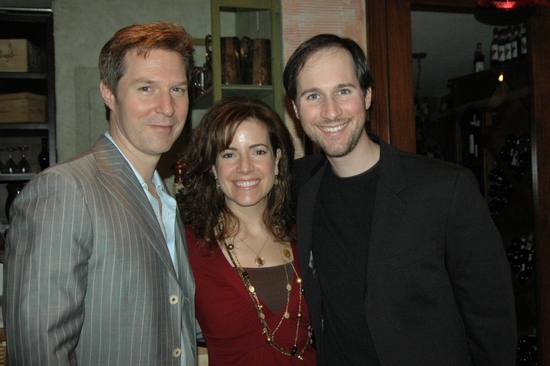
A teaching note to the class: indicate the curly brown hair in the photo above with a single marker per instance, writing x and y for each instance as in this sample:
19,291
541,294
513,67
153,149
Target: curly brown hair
203,203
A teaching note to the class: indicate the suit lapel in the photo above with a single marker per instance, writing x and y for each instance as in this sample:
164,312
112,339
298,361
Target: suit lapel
120,180
304,216
387,209
184,271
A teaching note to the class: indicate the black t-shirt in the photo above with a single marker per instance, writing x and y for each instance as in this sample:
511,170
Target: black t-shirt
341,228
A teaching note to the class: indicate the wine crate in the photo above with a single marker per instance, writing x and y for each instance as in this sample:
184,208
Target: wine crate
22,107
19,55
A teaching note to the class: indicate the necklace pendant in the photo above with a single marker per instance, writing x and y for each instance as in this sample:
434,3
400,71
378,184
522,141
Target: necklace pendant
260,261
286,253
287,315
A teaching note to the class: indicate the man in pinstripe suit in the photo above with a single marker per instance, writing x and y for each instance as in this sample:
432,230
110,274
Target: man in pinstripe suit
96,268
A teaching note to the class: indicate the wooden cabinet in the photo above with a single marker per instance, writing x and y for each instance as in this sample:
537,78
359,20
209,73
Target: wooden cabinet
35,25
253,19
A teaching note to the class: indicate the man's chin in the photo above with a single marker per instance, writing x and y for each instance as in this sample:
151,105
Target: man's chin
335,151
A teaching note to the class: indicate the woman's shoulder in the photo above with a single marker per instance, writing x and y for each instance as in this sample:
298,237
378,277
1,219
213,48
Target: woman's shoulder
190,233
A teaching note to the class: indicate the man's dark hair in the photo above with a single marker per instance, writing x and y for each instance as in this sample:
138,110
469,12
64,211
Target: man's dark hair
321,42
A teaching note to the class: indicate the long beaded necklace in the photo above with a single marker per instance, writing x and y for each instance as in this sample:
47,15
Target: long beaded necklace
269,334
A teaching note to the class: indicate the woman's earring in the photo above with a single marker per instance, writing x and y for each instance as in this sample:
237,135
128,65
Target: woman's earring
276,180
217,184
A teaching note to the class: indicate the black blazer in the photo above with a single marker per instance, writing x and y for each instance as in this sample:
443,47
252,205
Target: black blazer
438,285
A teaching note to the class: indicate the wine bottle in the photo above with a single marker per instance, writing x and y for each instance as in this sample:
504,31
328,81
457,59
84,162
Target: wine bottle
502,47
514,43
474,139
13,190
518,242
497,191
509,150
527,350
479,59
497,175
44,156
528,269
508,44
510,253
494,48
517,264
522,41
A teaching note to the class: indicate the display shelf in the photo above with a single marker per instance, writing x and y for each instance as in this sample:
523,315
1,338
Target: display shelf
34,24
271,94
17,177
262,92
25,126
23,75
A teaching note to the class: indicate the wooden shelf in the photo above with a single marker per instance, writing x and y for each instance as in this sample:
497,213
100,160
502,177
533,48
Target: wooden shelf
34,22
262,92
271,94
16,177
24,126
23,75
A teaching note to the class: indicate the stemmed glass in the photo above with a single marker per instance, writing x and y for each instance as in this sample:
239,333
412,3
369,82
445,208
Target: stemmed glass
23,166
10,166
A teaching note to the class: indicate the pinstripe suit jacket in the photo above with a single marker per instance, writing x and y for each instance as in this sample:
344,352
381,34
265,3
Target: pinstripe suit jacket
88,278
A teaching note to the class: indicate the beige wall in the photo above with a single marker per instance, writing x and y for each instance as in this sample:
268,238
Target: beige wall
81,28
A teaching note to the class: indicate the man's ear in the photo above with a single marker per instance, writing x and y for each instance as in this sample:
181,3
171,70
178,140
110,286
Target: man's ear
108,96
368,98
295,110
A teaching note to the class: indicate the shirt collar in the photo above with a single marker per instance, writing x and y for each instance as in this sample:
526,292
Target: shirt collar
157,181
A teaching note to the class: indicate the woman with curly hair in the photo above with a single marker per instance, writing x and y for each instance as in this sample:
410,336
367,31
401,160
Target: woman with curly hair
236,197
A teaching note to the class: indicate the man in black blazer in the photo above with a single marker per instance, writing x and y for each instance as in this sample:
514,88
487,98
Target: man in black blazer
402,263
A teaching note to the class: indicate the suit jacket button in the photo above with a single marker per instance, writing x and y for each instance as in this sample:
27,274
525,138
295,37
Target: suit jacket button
177,352
173,300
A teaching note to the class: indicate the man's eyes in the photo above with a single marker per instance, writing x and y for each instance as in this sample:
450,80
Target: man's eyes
179,90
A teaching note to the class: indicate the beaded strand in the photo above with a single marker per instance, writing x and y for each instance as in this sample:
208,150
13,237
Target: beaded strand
270,335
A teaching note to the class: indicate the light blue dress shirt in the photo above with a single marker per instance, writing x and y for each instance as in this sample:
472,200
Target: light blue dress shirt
165,216
165,211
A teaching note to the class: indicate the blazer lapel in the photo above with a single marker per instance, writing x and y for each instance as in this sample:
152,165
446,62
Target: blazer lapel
119,179
304,217
387,209
184,271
